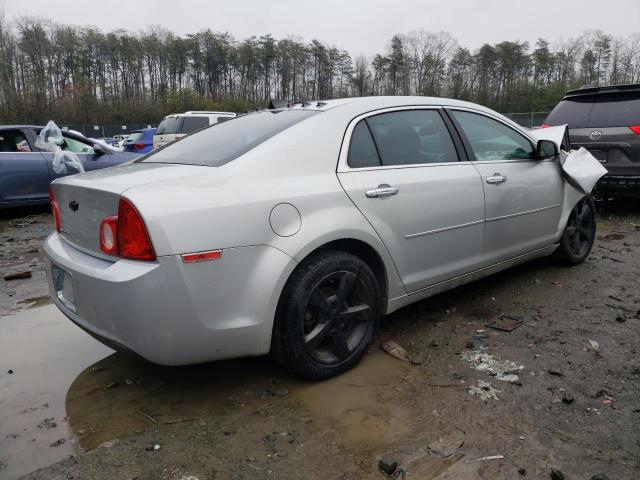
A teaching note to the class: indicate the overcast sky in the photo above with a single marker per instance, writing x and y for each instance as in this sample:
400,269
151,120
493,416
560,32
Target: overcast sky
359,26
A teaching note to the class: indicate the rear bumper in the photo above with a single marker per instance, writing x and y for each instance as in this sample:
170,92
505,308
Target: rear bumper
619,183
173,313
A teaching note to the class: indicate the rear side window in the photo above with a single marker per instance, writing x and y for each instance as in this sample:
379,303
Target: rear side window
410,137
169,125
618,110
492,140
191,124
224,142
362,150
574,112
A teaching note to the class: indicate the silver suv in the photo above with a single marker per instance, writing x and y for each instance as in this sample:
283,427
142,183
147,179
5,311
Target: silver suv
606,121
178,125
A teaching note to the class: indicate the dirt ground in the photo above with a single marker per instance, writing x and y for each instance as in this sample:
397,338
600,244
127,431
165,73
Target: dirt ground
574,406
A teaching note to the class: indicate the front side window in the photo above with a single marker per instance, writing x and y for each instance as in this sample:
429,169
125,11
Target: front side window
492,140
410,137
13,141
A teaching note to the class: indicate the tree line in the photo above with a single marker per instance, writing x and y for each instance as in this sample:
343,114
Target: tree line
84,75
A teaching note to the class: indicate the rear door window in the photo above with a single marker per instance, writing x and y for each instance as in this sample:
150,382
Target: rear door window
135,136
224,142
410,137
191,124
362,150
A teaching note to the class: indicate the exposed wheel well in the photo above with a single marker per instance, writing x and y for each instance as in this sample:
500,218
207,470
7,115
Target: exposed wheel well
367,254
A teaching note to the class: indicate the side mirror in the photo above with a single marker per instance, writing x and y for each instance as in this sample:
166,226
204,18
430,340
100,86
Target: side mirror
99,149
546,149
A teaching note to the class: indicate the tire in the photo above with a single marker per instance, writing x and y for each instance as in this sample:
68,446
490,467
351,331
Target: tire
327,315
579,234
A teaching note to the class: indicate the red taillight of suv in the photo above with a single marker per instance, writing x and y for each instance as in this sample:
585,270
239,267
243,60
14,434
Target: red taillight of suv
635,129
139,146
125,234
55,209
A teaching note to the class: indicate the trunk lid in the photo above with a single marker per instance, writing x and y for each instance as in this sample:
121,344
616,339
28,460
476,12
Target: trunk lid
86,199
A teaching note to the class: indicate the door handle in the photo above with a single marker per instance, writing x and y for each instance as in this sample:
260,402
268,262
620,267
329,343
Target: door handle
496,178
383,190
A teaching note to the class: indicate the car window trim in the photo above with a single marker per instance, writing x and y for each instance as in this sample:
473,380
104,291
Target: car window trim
467,145
343,157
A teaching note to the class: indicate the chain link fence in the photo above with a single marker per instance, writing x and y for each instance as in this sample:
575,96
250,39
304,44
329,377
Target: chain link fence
528,119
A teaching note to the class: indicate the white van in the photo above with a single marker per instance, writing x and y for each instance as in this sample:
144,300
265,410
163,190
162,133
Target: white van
178,125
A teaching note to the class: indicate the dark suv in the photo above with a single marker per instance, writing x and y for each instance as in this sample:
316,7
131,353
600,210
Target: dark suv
606,121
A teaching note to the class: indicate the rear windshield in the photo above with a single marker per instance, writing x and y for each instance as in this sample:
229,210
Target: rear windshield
616,110
169,125
226,141
191,124
135,136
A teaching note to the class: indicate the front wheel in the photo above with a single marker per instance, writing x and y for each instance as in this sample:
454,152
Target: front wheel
579,234
327,315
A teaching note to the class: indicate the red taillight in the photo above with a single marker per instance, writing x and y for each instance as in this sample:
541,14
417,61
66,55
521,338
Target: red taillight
139,146
132,238
109,235
546,125
201,256
125,234
635,129
54,209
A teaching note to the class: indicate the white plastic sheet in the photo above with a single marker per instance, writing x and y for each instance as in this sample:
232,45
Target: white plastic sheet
50,139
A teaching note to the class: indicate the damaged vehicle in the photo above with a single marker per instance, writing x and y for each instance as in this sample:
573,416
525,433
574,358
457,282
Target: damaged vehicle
291,231
606,121
26,169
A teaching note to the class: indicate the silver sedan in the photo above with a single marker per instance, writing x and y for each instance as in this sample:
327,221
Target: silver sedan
293,230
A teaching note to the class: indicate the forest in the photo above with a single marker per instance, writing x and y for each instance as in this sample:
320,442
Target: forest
80,74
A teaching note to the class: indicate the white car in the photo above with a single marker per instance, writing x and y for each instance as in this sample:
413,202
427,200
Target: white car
293,230
177,125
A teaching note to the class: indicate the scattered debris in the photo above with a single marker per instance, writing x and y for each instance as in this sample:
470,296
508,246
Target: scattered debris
387,466
396,351
152,448
621,319
617,260
10,372
470,345
505,323
278,392
484,390
59,442
110,386
522,471
554,371
47,424
418,358
595,346
18,275
556,474
151,418
567,397
109,444
599,476
447,445
484,459
503,370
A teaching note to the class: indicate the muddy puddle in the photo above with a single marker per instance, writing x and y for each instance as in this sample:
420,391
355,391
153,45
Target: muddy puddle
44,353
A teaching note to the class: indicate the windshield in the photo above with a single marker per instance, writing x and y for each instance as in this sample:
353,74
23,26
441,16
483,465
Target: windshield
168,125
226,141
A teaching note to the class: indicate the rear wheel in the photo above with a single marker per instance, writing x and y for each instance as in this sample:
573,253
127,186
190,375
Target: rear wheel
579,234
327,315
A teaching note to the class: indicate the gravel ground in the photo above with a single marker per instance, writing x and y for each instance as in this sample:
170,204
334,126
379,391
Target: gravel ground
574,406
